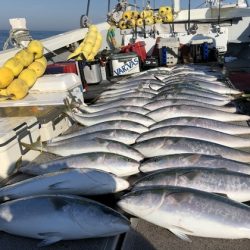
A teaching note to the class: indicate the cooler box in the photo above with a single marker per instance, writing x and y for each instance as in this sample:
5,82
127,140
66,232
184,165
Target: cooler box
14,131
124,64
53,122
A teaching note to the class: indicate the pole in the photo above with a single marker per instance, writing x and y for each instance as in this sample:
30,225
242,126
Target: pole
108,6
87,12
189,10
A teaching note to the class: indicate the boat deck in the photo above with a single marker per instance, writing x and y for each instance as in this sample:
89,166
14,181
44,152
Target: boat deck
143,235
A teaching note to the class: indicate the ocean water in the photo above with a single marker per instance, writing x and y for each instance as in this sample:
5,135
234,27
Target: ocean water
4,34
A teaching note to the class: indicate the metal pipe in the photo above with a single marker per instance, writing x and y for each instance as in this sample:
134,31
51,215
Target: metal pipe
219,13
108,6
189,10
87,12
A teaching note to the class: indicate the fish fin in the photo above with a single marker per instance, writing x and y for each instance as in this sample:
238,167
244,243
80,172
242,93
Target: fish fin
190,175
157,78
38,145
221,194
49,238
180,233
193,158
58,186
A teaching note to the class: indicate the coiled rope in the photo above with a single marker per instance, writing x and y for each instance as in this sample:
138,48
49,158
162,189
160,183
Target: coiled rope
16,37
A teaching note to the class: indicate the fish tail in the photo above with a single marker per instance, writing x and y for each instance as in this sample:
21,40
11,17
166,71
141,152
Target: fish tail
38,145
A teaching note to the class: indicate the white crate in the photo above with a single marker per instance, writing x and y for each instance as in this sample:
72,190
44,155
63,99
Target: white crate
54,127
124,64
14,131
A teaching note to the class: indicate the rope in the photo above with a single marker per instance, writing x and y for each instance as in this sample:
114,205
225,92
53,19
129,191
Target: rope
16,36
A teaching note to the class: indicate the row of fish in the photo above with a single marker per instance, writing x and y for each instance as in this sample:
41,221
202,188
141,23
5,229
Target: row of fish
175,126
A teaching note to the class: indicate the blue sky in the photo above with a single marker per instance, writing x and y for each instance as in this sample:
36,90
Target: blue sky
60,15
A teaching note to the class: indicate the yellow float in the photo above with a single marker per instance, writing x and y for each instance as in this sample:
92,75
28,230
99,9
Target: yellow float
6,77
28,76
15,65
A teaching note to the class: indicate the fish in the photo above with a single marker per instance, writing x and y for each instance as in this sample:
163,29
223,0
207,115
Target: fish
114,92
142,94
135,109
174,145
195,80
171,102
235,186
132,101
192,160
124,136
189,97
116,164
117,92
203,86
52,218
118,115
196,92
134,83
115,124
70,181
225,127
194,111
78,146
186,211
196,133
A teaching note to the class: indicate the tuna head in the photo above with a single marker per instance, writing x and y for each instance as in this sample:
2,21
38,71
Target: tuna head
145,201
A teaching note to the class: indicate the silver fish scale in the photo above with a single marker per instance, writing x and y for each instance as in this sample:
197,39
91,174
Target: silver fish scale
197,205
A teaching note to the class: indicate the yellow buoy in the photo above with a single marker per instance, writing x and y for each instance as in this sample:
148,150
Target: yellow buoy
93,28
144,14
43,61
14,65
97,46
139,22
91,57
36,48
17,89
87,48
127,15
29,76
3,94
149,20
6,77
122,25
157,19
131,23
135,14
168,19
38,68
25,57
